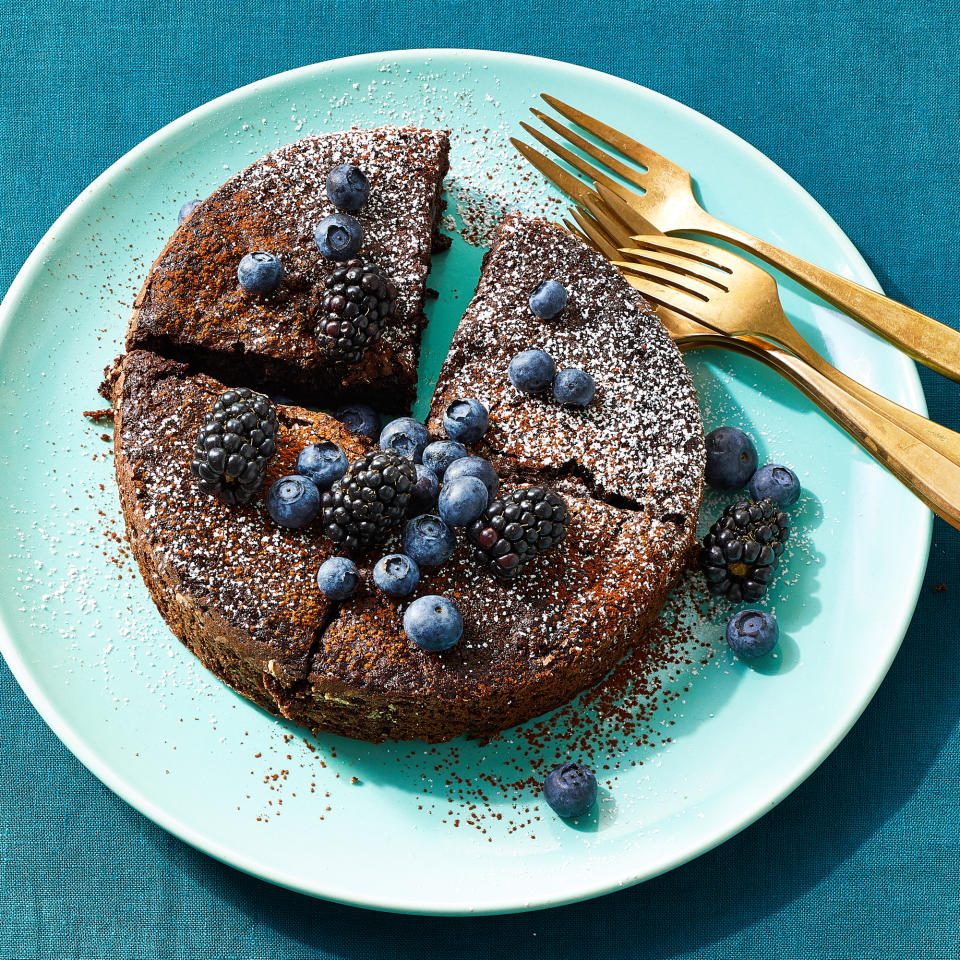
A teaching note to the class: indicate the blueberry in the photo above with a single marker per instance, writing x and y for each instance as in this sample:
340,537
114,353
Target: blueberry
462,501
548,299
347,187
475,467
428,540
423,496
187,209
260,272
466,420
337,578
433,623
570,789
441,453
361,419
396,575
293,501
731,458
532,371
407,436
777,482
324,463
339,236
752,634
573,387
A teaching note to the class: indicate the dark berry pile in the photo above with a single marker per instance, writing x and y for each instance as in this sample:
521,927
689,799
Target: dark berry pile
234,445
517,527
369,500
740,554
358,302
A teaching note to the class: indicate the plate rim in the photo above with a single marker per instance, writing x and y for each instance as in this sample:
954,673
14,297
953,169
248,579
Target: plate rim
74,742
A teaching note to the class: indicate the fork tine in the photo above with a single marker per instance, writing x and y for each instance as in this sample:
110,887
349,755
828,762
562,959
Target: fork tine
694,286
679,264
560,178
615,227
630,174
623,211
667,297
598,238
695,250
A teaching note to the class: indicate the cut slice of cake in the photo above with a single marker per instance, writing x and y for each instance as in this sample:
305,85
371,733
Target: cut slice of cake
192,308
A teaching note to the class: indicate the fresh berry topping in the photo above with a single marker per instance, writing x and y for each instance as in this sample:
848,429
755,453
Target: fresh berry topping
369,500
441,453
570,789
466,420
234,444
361,419
260,272
187,209
396,575
428,540
573,387
731,458
462,501
515,528
740,553
433,623
324,463
406,436
358,302
347,187
752,634
475,467
338,578
532,371
423,496
776,482
293,501
548,300
339,236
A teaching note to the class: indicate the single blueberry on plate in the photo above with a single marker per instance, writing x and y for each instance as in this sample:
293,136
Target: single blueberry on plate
570,789
423,495
187,209
441,453
475,467
428,540
407,436
462,501
324,463
752,634
337,578
548,300
259,272
531,371
574,388
731,458
347,187
293,501
777,482
433,623
396,575
361,419
466,420
339,236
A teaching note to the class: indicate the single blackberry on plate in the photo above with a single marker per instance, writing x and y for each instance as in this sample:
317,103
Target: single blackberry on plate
235,443
740,554
358,302
518,526
369,500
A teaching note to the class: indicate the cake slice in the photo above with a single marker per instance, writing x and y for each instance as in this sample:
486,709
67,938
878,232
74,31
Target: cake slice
191,307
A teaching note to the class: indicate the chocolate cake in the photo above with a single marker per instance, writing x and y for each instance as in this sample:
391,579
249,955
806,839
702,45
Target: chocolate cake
191,307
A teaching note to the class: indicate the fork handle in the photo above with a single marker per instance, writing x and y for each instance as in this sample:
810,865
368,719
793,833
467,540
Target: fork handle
928,341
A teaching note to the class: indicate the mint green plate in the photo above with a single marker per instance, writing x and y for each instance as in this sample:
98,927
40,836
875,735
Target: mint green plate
410,827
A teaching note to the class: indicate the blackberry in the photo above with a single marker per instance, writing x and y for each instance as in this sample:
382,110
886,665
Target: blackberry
369,500
517,527
236,441
740,554
358,302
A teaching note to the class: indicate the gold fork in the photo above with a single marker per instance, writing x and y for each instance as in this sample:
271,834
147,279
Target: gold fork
933,478
668,201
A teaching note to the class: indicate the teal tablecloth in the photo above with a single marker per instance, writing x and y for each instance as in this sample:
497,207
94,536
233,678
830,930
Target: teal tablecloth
859,102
